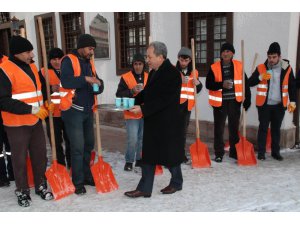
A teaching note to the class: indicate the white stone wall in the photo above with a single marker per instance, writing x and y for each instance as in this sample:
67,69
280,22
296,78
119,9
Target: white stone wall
258,30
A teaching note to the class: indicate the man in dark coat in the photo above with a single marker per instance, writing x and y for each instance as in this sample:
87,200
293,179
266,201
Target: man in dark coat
163,123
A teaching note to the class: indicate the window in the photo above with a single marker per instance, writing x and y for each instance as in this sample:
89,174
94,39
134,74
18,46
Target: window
71,25
132,33
49,33
4,17
210,31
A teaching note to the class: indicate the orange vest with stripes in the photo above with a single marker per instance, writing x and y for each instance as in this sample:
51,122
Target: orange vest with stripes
55,96
3,59
262,87
23,89
131,83
188,92
66,96
215,97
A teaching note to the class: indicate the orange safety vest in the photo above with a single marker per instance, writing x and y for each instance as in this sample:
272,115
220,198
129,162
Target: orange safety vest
23,89
66,96
3,59
188,92
131,83
55,96
262,87
215,97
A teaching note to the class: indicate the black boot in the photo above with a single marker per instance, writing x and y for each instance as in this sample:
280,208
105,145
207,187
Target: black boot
43,192
128,166
23,198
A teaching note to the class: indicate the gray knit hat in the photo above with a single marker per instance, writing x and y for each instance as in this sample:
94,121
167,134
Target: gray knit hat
184,51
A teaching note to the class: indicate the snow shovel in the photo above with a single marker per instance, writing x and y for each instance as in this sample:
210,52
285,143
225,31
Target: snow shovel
199,151
30,179
57,175
268,143
102,173
245,149
158,170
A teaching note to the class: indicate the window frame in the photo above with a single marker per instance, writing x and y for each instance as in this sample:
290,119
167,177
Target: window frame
119,69
204,67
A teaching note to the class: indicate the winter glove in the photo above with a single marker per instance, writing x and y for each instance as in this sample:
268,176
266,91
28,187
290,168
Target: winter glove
50,107
265,76
246,104
291,107
40,112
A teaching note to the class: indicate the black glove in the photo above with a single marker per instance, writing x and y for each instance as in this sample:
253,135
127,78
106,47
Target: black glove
247,104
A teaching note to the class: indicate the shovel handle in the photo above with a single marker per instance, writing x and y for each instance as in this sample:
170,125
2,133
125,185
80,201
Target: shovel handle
45,63
195,88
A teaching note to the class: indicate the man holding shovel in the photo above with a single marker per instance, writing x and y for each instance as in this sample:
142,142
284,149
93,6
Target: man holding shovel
21,103
187,101
163,123
225,84
275,84
78,75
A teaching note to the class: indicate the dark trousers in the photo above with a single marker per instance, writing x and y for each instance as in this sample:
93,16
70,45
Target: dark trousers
269,114
148,173
26,139
232,110
6,170
60,136
186,115
80,130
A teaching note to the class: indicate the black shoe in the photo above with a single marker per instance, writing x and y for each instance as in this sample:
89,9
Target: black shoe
232,155
44,193
90,182
4,183
185,159
261,157
23,198
218,159
136,194
170,190
128,166
80,190
277,156
138,163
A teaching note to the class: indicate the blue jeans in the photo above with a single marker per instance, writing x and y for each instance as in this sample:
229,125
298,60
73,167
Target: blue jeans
80,130
134,130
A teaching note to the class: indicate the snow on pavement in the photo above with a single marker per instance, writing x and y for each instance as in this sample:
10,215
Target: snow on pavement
270,186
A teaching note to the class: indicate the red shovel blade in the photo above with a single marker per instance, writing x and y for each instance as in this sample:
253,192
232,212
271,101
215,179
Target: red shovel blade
268,143
59,180
245,153
93,156
103,176
29,173
199,154
158,170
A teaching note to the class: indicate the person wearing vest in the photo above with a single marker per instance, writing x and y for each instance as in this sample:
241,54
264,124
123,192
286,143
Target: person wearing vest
163,123
131,83
55,56
6,169
21,103
78,101
225,84
187,101
275,83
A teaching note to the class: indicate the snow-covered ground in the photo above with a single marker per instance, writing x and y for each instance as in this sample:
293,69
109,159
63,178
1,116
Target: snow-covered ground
270,186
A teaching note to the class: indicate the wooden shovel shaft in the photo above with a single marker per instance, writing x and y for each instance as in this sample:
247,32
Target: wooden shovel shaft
45,62
195,88
243,77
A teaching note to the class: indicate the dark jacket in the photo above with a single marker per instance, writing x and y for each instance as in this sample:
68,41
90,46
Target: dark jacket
84,95
163,123
211,84
123,90
254,80
7,103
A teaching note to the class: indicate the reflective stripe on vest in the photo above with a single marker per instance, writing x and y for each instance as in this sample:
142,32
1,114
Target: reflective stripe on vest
262,87
131,83
67,98
23,89
188,92
215,97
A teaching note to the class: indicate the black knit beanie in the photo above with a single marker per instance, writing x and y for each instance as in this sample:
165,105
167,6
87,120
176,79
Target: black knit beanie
227,46
138,57
86,40
18,44
55,53
274,49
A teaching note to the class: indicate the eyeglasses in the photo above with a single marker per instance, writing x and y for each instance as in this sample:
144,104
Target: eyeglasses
138,64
